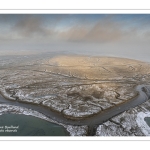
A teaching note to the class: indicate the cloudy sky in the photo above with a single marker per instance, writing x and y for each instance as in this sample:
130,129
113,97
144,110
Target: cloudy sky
125,35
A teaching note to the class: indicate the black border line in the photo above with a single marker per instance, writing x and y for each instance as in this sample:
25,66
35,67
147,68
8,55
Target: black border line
79,140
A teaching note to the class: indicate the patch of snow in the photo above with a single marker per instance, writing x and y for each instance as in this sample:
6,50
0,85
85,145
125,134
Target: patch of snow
77,130
141,122
5,94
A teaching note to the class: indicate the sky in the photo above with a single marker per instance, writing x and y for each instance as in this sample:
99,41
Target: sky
124,35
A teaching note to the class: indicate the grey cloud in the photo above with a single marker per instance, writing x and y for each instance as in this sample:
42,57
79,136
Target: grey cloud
103,31
107,29
31,26
74,34
38,26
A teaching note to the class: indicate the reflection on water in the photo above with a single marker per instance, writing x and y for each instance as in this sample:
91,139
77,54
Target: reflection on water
147,120
22,125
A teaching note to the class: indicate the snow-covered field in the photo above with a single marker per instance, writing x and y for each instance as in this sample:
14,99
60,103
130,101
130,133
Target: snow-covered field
128,123
78,87
142,123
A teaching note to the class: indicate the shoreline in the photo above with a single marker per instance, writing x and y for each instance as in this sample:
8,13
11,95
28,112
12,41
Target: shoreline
96,119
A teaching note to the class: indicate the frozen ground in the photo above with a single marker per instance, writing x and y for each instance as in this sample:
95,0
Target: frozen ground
77,87
128,123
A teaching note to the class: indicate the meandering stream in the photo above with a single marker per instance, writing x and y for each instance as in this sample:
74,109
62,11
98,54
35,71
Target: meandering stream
97,119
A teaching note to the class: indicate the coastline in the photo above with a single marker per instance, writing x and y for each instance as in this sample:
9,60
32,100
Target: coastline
96,119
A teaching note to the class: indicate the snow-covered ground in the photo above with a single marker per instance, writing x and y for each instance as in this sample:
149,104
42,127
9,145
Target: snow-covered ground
77,130
128,123
78,87
142,123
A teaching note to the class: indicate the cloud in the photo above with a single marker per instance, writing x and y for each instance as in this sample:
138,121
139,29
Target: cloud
104,31
74,28
75,33
31,27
